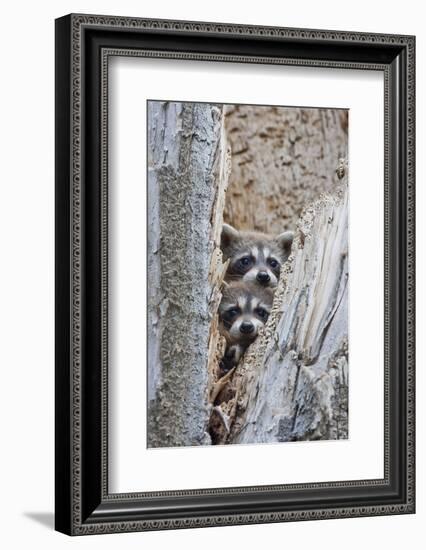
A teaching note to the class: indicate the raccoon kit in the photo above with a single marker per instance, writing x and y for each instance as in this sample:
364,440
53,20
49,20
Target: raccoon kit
255,261
254,257
244,309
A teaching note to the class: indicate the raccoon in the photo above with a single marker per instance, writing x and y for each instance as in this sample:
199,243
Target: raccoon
255,257
244,309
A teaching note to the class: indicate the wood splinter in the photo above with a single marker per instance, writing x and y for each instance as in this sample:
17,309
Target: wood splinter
222,417
220,384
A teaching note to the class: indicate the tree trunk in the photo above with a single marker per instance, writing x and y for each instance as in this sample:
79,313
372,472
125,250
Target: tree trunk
293,383
282,160
187,177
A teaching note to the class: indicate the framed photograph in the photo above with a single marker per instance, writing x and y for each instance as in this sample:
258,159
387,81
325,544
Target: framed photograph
234,274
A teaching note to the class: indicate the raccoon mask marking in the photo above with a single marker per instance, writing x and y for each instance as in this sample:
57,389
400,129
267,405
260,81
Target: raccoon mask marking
255,257
243,311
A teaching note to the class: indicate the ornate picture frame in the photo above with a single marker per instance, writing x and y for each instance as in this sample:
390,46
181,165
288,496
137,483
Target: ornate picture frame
84,44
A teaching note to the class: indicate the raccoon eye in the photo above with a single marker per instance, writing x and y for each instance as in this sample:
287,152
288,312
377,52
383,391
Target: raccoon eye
245,261
273,263
262,313
231,313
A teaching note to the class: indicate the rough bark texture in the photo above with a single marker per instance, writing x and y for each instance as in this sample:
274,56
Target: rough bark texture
293,383
282,159
187,173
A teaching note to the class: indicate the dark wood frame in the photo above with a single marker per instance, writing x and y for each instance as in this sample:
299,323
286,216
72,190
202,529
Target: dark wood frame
83,46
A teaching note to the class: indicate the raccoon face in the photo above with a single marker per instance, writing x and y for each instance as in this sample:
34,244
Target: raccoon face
243,311
255,257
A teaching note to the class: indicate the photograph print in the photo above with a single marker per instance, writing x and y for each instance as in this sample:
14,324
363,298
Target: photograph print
248,277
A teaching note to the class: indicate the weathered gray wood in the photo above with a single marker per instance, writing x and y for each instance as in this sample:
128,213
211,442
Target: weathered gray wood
186,183
293,384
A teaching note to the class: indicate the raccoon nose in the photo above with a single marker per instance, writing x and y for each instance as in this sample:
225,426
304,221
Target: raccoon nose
263,277
246,327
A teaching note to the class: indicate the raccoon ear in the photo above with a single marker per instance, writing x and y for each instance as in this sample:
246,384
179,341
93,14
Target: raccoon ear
229,234
285,240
